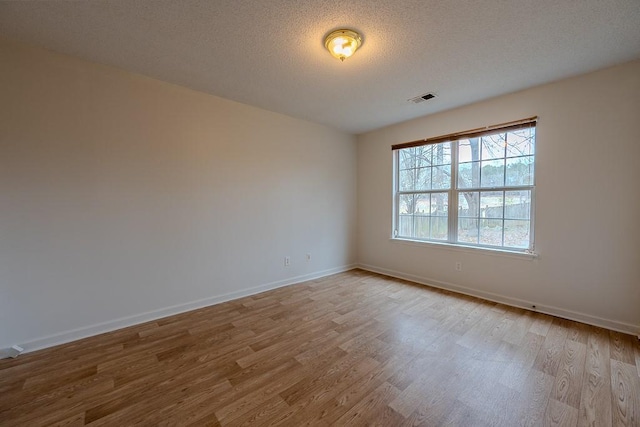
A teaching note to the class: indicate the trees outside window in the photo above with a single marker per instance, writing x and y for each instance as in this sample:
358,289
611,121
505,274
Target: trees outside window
476,191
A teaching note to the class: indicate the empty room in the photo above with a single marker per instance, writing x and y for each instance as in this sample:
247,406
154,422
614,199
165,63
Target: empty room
289,213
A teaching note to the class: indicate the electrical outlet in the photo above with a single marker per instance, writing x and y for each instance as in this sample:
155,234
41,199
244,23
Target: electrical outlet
308,257
287,261
458,265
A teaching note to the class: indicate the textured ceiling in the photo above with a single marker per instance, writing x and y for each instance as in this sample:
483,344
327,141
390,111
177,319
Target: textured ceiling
270,53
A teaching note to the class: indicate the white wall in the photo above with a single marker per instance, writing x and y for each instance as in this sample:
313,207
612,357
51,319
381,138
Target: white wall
123,198
587,230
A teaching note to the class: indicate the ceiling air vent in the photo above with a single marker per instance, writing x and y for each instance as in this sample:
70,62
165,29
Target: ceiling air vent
421,98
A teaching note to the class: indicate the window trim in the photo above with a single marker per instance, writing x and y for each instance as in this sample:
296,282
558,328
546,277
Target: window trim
458,247
453,192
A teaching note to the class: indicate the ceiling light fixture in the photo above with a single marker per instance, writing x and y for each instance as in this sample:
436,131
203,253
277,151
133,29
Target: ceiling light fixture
342,43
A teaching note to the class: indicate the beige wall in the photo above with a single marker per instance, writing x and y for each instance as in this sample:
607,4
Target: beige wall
587,229
123,198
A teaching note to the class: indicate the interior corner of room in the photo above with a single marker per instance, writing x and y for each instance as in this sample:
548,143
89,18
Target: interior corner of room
125,199
396,212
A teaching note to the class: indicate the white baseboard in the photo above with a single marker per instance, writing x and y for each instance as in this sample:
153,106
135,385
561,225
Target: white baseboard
123,322
614,325
99,328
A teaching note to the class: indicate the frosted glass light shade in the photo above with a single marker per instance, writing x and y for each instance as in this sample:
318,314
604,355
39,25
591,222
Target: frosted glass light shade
342,43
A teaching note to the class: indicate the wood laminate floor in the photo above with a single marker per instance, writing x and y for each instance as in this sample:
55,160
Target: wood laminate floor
350,349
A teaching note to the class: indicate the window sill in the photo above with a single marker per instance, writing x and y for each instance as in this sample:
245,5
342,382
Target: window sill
464,248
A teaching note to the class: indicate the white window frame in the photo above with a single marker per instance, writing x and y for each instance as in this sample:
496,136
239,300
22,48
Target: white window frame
454,194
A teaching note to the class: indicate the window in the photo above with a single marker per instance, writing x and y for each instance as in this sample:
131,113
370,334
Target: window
473,188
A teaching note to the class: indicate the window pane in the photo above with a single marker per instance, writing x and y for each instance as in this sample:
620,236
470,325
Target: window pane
520,171
423,155
521,142
492,173
469,175
441,178
406,179
421,223
468,150
516,233
405,225
493,146
439,228
439,204
422,204
491,232
468,230
517,204
407,158
406,204
442,153
491,204
469,204
423,179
